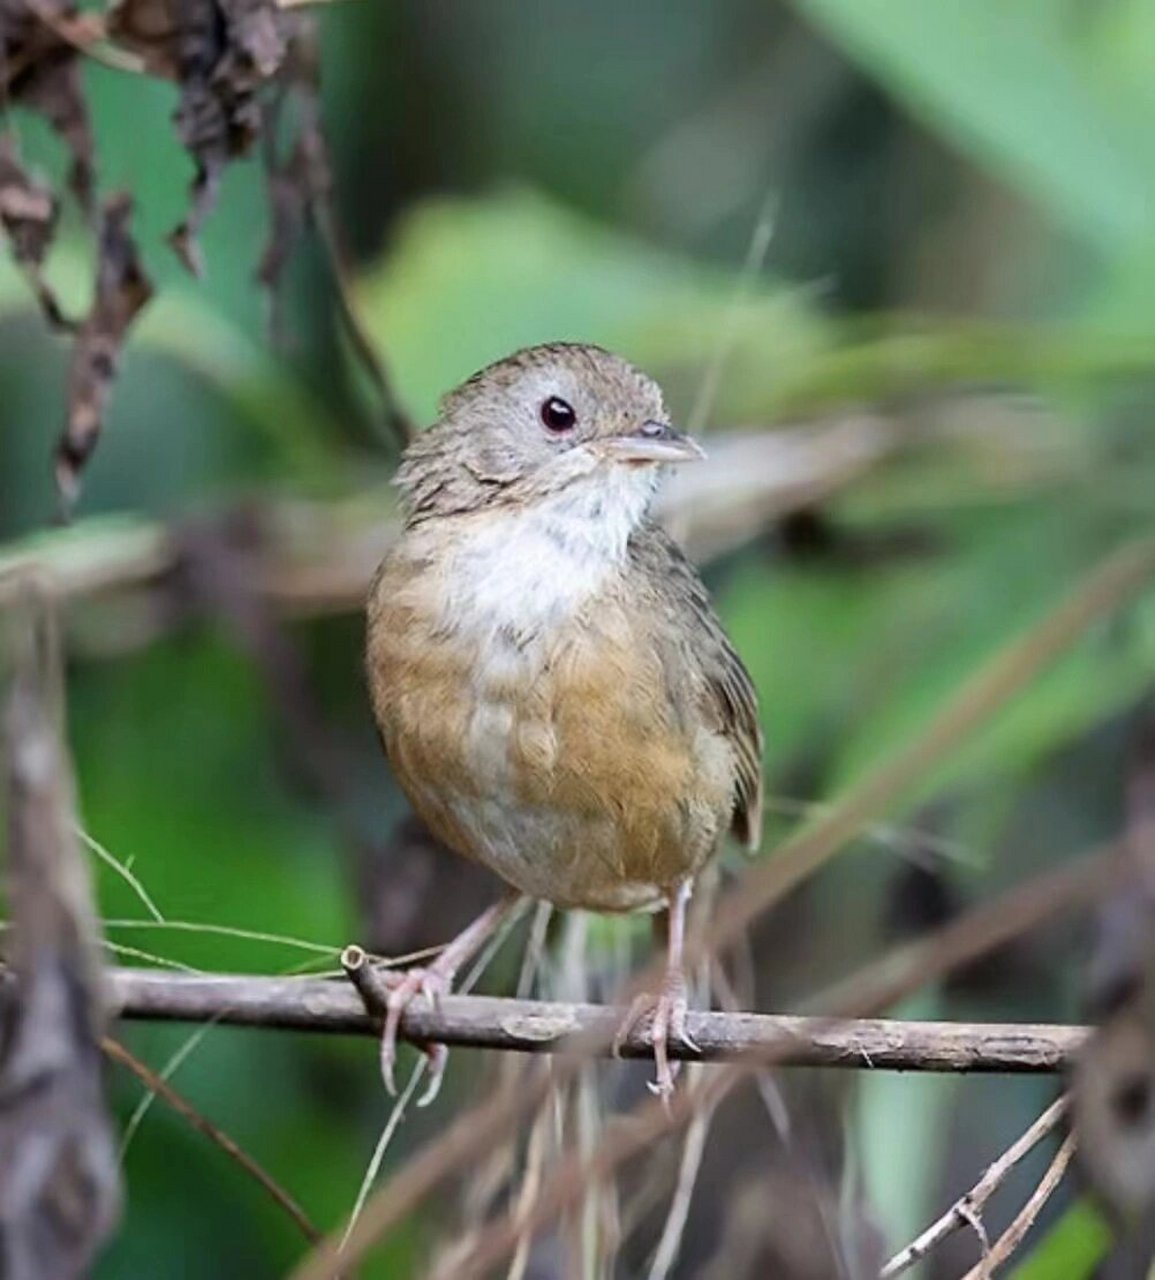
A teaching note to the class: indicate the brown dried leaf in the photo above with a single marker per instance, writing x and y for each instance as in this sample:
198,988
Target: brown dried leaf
221,53
40,69
28,214
149,29
59,1175
122,290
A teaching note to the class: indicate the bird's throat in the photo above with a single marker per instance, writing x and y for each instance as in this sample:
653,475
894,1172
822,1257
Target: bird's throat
519,571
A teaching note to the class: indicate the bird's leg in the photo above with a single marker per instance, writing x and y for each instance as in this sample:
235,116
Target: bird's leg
670,1006
432,981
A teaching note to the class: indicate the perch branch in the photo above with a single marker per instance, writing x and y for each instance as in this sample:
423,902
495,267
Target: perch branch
969,1206
530,1026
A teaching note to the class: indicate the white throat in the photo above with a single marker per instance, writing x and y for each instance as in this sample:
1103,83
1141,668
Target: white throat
518,572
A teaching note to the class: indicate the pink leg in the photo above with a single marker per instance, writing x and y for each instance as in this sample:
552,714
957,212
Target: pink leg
671,1005
432,981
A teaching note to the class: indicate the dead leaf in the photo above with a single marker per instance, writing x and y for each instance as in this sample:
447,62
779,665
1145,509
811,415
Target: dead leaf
221,53
28,213
122,290
59,1174
40,69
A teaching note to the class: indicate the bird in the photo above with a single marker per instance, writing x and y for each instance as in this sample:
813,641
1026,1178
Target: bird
553,689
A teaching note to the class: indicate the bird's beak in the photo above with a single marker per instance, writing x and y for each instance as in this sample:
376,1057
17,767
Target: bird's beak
653,442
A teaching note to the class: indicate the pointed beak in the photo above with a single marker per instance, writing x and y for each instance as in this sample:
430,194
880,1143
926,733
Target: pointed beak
653,442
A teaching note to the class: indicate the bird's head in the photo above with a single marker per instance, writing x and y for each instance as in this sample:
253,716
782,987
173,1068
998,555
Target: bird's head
548,421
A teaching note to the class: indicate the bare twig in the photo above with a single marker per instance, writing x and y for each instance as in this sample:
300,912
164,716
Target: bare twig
180,1104
1014,1235
531,1026
970,1205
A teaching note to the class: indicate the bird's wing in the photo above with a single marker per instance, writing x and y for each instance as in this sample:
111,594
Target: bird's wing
691,631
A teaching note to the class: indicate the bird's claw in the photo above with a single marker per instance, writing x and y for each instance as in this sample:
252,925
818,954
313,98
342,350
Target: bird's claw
402,989
667,1016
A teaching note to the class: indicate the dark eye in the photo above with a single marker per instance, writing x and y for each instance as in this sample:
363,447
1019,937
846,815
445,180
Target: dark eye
557,414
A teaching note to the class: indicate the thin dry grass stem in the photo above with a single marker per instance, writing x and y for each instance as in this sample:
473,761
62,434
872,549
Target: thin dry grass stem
693,1149
1113,582
225,931
138,953
308,4
600,1224
535,1158
534,957
967,1209
761,237
171,1066
119,1054
87,34
125,872
396,1115
501,935
1009,1241
397,421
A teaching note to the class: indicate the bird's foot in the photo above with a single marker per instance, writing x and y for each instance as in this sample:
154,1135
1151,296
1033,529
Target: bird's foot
666,1014
387,993
401,989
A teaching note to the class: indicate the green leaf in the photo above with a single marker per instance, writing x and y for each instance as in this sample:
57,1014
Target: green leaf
469,281
1071,1250
1019,87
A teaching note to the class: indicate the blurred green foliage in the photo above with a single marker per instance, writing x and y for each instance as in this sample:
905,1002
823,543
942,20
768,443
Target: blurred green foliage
964,194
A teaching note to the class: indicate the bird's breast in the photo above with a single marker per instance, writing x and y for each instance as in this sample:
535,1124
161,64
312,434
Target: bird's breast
530,721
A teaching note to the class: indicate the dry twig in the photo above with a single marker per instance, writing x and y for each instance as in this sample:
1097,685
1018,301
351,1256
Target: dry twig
1014,1235
969,1206
158,1085
532,1026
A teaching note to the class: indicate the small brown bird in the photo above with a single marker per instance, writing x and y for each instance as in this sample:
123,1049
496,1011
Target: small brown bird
554,691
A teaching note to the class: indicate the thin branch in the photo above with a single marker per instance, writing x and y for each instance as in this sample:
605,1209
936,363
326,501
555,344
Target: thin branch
1014,1235
161,1087
532,1026
969,1206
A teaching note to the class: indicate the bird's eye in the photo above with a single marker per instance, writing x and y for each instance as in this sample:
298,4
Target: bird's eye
557,415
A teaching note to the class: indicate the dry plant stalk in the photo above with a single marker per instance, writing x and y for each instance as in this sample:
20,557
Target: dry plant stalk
1014,1235
967,1209
59,1173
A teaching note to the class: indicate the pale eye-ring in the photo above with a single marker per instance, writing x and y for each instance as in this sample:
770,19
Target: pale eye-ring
557,415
